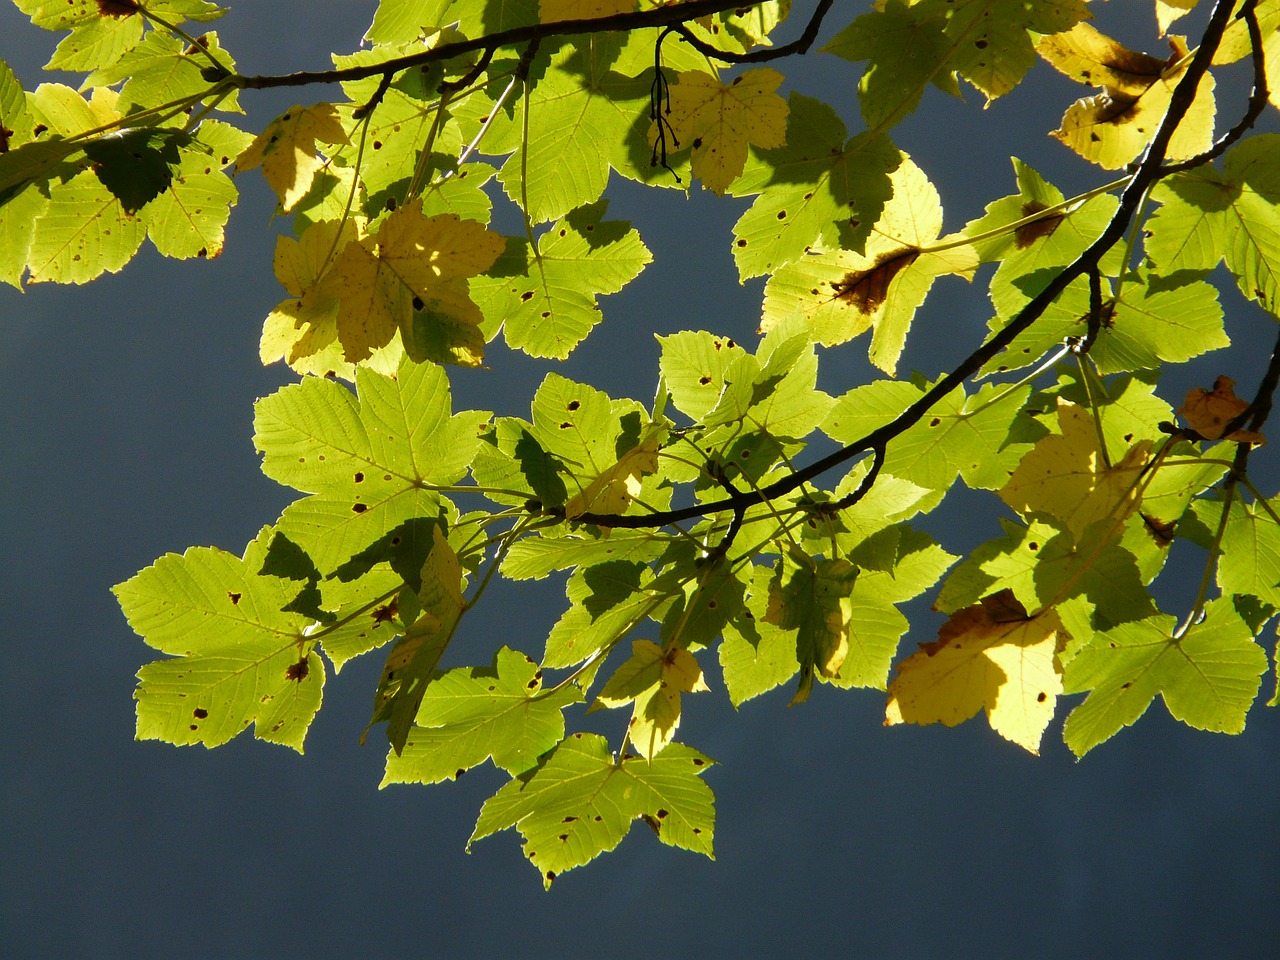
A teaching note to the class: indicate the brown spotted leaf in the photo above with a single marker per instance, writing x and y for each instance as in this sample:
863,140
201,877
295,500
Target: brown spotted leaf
989,656
1112,128
841,293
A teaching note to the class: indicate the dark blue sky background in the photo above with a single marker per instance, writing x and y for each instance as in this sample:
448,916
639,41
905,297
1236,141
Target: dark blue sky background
126,424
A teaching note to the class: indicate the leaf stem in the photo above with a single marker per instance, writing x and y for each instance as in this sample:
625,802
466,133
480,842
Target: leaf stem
1210,564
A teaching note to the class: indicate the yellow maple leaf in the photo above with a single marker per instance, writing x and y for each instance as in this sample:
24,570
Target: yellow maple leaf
719,120
653,679
1065,476
286,150
1168,11
1208,412
614,489
303,326
987,656
553,11
412,263
1112,128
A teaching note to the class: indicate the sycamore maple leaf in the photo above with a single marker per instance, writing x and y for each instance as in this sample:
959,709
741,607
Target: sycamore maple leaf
719,120
414,264
1114,127
286,150
840,293
991,656
303,331
653,679
614,489
1067,477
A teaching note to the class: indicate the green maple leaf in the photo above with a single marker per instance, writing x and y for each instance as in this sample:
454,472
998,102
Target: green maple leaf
693,365
1249,558
841,293
239,656
372,463
755,655
545,302
396,132
95,40
581,802
189,217
1151,323
752,410
1208,676
812,600
975,436
535,557
583,452
84,231
606,601
402,21
913,45
817,187
1043,565
1207,216
581,120
164,69
472,714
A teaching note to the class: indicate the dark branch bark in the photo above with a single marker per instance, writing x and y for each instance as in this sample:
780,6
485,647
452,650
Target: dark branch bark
659,17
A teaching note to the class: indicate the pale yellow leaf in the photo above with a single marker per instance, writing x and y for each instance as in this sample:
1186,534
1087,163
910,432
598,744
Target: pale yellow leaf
653,679
413,263
286,150
1112,128
1066,476
719,120
613,490
988,656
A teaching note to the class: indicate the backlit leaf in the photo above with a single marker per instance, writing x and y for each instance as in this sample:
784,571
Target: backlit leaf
287,152
1208,676
472,714
842,293
581,802
718,121
1115,126
545,302
989,656
413,264
238,656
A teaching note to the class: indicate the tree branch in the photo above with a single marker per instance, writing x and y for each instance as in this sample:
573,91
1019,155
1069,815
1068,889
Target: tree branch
800,45
658,17
1149,170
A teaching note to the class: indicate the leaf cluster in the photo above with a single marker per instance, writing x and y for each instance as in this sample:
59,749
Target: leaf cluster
706,527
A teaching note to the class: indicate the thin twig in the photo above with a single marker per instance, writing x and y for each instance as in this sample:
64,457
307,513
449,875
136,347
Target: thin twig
800,45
